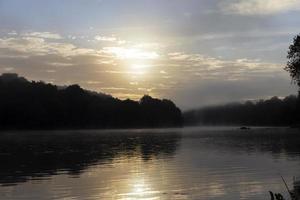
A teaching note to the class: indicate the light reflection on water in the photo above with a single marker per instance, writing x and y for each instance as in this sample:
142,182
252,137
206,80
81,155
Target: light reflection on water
197,163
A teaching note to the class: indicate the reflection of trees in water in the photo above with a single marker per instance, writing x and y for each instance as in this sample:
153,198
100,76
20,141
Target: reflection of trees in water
33,155
276,141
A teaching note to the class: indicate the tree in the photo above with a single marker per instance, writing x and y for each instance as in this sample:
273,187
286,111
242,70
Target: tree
293,64
37,105
293,67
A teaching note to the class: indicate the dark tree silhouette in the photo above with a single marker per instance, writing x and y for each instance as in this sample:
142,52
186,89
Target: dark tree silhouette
293,67
293,64
271,112
37,105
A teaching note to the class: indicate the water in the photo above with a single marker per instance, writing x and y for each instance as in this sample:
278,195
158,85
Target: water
192,163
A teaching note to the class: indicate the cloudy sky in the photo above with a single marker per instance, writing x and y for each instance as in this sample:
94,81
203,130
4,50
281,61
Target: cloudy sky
195,52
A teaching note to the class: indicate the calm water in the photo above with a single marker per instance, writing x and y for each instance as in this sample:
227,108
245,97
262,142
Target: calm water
195,163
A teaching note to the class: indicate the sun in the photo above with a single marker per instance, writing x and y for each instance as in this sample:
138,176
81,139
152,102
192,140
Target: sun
139,69
128,53
135,61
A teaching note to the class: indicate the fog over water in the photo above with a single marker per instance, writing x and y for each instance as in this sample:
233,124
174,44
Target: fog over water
190,163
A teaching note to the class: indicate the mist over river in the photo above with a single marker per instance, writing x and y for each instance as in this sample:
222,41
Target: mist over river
190,163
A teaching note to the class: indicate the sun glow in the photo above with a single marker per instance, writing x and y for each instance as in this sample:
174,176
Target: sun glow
139,188
125,53
134,61
139,67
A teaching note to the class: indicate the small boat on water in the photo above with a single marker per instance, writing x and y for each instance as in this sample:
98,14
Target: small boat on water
245,128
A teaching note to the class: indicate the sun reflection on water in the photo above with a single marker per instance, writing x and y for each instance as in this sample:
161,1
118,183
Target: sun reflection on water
138,184
139,188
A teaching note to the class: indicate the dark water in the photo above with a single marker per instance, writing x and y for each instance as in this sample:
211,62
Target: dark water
196,163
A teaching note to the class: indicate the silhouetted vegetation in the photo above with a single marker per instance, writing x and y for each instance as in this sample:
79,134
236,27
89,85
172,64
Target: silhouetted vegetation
271,112
37,105
293,65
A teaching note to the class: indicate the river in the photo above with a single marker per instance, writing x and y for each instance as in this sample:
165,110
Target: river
190,163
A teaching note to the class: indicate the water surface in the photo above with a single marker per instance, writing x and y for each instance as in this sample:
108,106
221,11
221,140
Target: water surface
191,163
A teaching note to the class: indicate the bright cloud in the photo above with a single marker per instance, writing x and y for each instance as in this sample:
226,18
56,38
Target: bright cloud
105,38
46,35
131,53
40,46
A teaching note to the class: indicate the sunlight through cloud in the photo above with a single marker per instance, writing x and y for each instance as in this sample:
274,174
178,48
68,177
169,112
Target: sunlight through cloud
131,53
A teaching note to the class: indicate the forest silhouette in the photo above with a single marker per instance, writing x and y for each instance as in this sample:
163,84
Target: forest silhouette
39,105
270,112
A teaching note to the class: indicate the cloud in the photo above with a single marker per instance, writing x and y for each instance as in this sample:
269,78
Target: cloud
60,64
110,59
109,39
255,33
6,69
93,82
46,35
41,46
105,38
213,68
260,7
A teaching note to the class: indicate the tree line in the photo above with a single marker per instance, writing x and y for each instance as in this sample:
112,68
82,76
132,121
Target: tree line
37,105
270,112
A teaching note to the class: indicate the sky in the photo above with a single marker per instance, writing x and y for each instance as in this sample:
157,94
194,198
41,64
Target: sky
194,52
